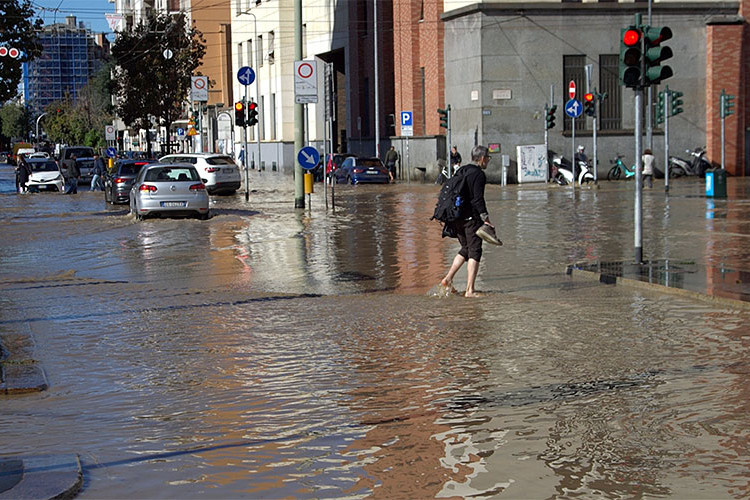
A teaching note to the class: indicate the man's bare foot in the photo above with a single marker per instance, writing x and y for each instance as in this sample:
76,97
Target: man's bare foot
473,294
445,283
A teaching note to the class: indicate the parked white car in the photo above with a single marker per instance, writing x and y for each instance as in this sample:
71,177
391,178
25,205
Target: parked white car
45,175
219,172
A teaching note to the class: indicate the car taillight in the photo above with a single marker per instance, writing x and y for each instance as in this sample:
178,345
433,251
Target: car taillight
358,170
120,180
198,187
212,169
146,187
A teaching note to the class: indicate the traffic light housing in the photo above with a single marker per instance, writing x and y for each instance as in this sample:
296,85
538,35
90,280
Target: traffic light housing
726,104
631,54
676,103
660,107
654,53
239,114
252,114
443,117
550,116
589,104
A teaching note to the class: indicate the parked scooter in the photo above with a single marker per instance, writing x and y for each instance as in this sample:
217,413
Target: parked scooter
561,171
697,165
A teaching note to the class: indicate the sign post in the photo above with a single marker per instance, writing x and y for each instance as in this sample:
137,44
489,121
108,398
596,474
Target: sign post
573,109
246,76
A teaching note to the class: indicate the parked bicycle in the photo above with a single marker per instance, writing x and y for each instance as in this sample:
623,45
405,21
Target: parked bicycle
619,169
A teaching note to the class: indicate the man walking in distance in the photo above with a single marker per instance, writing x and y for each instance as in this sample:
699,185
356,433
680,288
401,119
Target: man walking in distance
72,175
391,157
476,217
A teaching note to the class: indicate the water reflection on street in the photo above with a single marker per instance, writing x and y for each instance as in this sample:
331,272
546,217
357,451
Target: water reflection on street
271,353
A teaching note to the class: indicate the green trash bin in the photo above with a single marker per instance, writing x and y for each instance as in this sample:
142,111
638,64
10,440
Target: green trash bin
716,183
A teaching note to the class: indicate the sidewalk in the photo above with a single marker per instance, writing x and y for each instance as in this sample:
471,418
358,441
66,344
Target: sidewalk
46,476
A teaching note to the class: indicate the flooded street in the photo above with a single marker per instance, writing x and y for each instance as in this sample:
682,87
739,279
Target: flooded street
274,353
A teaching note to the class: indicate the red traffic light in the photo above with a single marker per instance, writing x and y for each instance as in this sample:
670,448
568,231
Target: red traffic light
588,97
239,106
631,37
252,106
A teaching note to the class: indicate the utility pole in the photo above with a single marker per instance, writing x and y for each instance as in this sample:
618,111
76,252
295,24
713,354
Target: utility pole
299,124
377,104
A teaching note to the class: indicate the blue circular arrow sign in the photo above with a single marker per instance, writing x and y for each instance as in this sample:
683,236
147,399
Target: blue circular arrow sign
308,157
573,108
246,75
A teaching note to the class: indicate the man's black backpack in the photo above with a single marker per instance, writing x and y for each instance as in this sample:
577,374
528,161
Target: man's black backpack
451,204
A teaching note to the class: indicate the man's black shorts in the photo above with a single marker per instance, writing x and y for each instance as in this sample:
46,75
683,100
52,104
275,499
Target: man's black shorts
471,244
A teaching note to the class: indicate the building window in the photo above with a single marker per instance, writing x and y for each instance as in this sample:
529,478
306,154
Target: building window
262,118
573,69
424,114
173,5
249,53
271,37
273,116
240,62
259,52
610,110
304,40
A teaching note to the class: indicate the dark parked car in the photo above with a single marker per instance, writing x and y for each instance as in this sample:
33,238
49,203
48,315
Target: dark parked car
118,183
362,170
87,168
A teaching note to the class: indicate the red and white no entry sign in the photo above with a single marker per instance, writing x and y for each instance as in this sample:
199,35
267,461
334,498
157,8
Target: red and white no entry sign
305,70
13,52
572,89
3,51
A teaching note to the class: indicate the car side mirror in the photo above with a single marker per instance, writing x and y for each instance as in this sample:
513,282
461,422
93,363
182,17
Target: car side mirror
204,181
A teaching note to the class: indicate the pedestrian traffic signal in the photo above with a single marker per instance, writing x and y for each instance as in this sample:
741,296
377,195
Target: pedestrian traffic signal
726,104
660,107
239,114
654,53
676,103
630,56
444,117
550,116
589,105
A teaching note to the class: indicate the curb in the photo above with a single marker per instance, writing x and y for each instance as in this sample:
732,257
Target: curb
611,279
42,476
19,371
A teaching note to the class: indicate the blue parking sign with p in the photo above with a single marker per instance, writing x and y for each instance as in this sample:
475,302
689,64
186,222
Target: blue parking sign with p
407,118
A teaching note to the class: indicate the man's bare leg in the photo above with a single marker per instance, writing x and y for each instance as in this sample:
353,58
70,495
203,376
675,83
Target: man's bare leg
458,261
473,270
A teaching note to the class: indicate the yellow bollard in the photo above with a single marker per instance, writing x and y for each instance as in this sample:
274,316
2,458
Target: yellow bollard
111,164
309,183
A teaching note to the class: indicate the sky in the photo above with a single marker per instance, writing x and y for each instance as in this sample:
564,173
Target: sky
90,12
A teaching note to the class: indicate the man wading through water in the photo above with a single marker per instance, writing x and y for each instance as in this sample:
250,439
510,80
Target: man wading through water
476,218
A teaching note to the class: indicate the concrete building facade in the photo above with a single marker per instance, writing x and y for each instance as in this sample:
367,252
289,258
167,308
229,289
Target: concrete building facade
501,59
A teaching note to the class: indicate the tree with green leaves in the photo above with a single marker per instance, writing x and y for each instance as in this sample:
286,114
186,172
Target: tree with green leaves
17,30
16,121
147,83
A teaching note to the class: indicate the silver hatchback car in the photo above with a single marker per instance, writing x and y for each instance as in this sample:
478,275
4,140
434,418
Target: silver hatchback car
164,189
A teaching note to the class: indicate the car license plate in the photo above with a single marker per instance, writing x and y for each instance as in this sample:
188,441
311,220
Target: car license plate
173,203
373,172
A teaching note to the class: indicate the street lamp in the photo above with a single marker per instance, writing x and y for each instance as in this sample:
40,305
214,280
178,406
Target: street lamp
257,96
37,125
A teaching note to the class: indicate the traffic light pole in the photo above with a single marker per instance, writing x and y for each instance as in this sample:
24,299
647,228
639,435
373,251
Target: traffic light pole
722,104
244,147
667,100
594,124
638,223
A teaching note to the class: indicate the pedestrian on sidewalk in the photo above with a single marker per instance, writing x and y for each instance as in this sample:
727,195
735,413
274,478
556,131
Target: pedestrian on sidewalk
72,175
99,170
455,159
477,216
391,157
648,168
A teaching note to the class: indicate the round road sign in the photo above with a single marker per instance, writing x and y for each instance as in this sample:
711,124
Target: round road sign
305,70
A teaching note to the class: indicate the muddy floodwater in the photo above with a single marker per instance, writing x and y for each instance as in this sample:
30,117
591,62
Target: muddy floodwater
274,353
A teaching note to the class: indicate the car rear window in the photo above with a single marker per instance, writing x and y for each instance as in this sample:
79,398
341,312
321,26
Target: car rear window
79,152
85,163
369,163
221,160
130,169
166,174
43,166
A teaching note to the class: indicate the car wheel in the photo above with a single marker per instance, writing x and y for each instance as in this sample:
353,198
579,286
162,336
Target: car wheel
203,216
